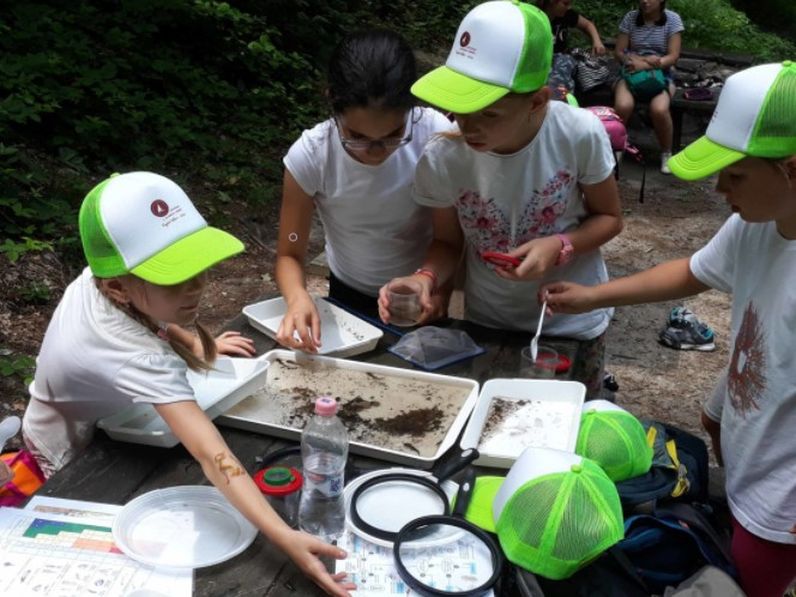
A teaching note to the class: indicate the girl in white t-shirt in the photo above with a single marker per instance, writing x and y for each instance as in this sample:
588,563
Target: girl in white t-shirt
356,169
526,176
117,337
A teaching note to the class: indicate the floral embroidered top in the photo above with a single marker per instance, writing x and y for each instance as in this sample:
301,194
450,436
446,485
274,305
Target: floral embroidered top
506,200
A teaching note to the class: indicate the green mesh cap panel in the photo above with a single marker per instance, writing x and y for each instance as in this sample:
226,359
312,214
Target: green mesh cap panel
775,131
537,53
101,254
555,524
616,441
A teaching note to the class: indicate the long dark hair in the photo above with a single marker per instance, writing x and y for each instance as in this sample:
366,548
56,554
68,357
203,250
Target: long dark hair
660,22
372,68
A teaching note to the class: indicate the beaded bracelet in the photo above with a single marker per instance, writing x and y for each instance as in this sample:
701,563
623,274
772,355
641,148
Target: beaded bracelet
423,271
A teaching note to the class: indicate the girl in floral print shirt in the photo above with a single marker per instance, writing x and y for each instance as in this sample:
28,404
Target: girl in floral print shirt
526,176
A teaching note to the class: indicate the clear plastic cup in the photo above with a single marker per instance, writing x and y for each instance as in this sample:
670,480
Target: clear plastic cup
545,365
405,309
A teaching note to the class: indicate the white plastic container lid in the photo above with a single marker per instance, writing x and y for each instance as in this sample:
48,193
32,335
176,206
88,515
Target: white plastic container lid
190,526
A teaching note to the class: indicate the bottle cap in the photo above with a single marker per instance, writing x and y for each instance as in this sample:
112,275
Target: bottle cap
326,406
278,480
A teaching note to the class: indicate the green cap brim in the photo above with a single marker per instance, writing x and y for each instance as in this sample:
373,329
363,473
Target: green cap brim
454,92
702,158
188,257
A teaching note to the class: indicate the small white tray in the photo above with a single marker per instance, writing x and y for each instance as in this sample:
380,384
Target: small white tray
342,334
550,420
254,416
230,381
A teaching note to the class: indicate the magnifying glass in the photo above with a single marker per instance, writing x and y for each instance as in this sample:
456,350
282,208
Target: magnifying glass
384,504
446,555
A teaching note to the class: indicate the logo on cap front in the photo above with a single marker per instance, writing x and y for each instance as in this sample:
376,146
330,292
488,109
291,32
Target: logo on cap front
464,40
159,208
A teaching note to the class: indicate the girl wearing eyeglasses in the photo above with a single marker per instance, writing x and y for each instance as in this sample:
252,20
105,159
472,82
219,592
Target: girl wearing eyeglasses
356,169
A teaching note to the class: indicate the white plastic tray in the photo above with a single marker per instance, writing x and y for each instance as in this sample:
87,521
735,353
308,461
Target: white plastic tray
552,420
231,380
251,422
342,334
190,526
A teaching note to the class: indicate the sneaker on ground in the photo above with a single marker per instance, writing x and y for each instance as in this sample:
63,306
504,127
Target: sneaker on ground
665,156
685,332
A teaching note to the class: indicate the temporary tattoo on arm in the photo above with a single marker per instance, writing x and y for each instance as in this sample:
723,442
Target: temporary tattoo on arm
222,461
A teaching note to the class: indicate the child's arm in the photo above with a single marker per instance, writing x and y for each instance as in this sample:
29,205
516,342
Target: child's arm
201,438
295,221
604,222
442,258
231,343
590,29
667,281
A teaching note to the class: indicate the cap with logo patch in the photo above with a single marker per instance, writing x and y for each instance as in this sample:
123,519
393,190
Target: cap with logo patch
144,224
500,47
755,116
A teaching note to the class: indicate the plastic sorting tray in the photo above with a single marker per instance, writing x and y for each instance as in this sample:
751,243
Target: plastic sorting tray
342,334
547,416
230,381
258,416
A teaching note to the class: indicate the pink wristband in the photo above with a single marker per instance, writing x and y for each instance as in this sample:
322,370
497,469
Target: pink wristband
429,274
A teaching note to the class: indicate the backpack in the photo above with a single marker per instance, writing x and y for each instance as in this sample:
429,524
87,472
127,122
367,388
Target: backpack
617,134
675,542
26,479
679,470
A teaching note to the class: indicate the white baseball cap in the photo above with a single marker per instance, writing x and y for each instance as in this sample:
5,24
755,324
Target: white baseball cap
144,224
500,47
755,116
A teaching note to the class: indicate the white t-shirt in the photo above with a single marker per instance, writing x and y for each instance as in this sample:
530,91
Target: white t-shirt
756,397
374,231
95,361
504,201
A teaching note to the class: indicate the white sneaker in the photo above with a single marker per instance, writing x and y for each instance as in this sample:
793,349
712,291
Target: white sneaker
665,157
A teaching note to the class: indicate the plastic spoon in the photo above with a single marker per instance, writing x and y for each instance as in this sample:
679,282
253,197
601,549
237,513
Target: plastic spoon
8,429
535,339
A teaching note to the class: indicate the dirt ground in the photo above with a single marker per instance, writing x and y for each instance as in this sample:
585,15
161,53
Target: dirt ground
675,219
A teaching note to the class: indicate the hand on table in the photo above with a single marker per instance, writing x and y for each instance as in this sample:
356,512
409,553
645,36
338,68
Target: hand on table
538,257
305,551
232,343
302,318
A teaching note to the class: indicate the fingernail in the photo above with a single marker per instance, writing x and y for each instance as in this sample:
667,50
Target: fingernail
342,553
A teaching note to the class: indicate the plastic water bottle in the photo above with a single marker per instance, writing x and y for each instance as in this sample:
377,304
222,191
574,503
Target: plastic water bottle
324,450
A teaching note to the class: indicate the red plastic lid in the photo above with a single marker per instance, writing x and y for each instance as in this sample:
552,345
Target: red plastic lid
278,480
564,363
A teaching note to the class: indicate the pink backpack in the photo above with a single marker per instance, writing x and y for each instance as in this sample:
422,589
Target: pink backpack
617,133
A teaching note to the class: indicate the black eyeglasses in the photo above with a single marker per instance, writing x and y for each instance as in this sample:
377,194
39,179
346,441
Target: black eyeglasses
388,143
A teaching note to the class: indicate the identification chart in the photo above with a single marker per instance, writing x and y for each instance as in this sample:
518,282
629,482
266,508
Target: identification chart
445,567
63,548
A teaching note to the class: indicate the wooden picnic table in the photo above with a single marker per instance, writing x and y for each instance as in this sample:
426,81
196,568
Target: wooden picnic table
115,472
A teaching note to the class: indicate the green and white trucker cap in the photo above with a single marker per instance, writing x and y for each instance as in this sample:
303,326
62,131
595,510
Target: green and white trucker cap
755,116
500,47
143,224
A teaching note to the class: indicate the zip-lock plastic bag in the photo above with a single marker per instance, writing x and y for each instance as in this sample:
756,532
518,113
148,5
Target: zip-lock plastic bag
432,347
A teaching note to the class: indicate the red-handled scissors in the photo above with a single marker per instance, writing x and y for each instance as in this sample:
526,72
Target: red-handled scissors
500,259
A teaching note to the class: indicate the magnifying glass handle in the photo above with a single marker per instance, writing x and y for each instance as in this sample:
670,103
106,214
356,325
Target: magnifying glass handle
465,493
450,465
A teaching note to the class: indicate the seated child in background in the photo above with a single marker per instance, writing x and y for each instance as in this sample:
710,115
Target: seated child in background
563,17
356,169
751,416
116,338
526,176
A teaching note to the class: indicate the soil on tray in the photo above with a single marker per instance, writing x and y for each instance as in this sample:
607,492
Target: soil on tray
395,412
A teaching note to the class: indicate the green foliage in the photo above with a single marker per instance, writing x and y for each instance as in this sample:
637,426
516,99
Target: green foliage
17,365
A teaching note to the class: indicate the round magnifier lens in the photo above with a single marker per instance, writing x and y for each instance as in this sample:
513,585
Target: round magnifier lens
446,559
389,505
